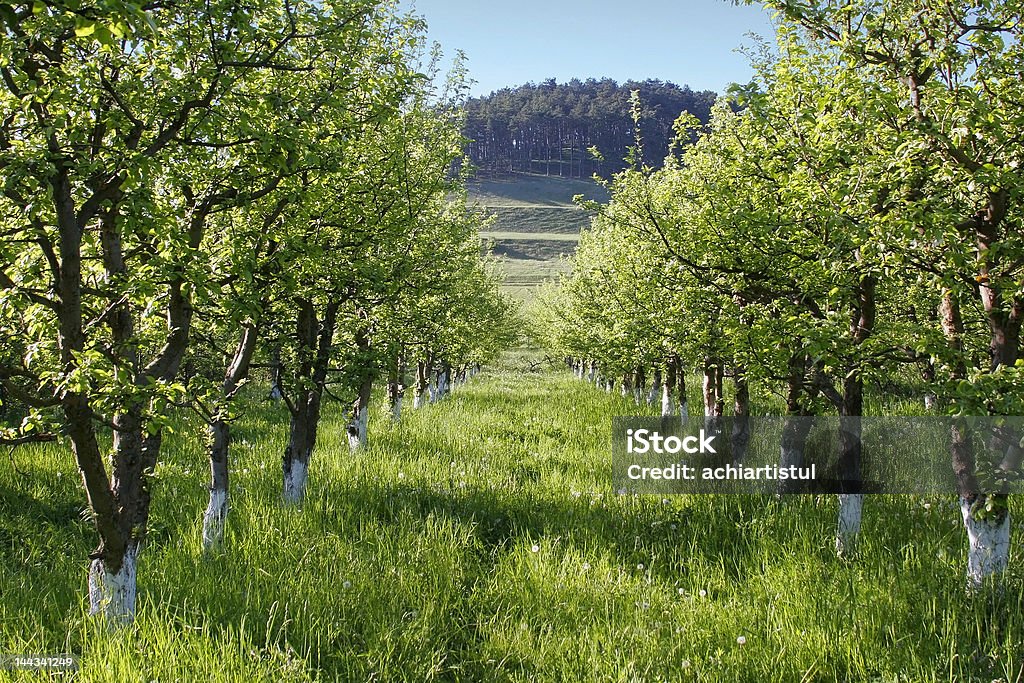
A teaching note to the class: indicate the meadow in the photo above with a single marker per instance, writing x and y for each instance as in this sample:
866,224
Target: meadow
479,539
536,225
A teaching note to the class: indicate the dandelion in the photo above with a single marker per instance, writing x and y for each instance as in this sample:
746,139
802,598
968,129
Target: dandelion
685,664
672,527
742,640
682,591
346,585
535,548
703,593
640,566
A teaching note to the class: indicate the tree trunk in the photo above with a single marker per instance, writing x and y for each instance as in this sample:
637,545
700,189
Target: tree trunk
424,369
656,384
396,388
684,402
668,387
741,416
276,371
796,426
359,415
315,342
237,370
714,405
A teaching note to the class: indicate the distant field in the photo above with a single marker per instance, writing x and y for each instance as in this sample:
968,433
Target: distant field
537,225
539,219
525,189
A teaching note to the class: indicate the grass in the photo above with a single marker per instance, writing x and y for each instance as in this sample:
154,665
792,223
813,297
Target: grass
479,540
563,220
537,224
532,190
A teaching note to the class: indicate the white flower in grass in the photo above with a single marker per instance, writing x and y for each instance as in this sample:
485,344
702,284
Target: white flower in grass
346,584
682,591
703,593
672,527
741,640
401,475
586,566
685,664
640,566
535,548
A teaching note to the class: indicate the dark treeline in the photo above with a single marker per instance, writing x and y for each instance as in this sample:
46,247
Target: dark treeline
550,127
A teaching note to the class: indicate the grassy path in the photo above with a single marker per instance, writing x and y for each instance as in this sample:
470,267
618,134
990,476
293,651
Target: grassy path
480,540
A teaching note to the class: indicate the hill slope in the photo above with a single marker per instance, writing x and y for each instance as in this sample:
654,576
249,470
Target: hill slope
537,224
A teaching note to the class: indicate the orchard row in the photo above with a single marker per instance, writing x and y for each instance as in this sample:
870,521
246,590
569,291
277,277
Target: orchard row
195,190
849,220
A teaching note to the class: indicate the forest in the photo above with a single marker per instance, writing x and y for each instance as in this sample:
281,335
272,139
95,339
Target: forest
575,129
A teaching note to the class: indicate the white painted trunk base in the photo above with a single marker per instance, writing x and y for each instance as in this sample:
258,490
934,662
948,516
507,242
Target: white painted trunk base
851,509
396,409
357,430
652,395
213,520
417,401
684,411
295,483
666,401
112,596
930,400
989,546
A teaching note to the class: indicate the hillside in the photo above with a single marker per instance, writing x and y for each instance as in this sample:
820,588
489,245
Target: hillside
537,223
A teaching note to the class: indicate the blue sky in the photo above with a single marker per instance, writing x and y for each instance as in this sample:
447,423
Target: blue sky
511,42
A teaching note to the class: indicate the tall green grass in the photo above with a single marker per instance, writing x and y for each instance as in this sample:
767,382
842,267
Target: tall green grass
480,540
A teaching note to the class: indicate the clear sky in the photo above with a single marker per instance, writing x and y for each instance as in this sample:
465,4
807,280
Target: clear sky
511,42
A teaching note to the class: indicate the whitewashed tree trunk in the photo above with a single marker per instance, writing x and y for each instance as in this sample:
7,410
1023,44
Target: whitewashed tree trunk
988,545
592,373
295,482
112,594
214,519
396,408
357,429
666,400
851,509
417,400
930,400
